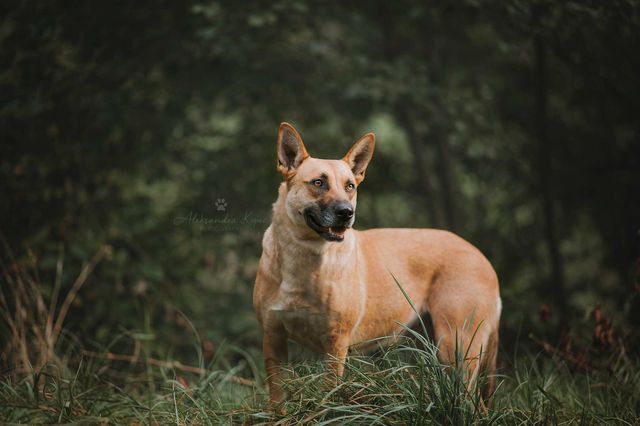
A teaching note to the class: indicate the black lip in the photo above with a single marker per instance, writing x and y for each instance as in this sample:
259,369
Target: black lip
313,223
324,232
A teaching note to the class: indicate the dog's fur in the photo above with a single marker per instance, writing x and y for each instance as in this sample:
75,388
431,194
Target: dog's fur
331,288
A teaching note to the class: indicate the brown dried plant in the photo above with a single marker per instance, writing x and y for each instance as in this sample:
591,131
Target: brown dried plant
32,325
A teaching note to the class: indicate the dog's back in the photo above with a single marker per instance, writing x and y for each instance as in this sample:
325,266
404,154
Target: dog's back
440,272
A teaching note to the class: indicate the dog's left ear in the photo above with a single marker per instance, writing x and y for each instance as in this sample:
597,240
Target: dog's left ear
360,154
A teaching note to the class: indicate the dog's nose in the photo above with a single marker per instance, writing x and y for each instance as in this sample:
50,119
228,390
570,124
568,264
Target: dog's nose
344,211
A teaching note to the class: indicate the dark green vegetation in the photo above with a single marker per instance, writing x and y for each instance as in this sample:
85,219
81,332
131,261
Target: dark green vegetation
137,169
403,385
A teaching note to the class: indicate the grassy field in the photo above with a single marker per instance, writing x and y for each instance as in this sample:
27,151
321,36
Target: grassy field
401,385
52,378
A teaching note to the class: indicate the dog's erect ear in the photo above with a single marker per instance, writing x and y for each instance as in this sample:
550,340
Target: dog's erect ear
360,154
291,150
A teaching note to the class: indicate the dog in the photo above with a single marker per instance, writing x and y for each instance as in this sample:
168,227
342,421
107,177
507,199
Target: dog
331,288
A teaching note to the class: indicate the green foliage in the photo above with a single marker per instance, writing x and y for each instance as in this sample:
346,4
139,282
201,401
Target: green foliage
401,385
150,126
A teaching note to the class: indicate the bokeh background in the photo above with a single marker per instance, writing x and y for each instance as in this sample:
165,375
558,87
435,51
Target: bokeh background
150,127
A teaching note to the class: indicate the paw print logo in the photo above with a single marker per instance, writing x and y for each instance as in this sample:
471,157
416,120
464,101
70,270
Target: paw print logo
221,204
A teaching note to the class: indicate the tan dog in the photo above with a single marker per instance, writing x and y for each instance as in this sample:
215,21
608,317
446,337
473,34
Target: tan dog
329,287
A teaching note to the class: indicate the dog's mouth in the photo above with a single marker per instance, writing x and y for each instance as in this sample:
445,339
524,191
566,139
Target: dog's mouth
329,233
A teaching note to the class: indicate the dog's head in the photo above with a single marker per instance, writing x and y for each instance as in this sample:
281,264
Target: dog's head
321,194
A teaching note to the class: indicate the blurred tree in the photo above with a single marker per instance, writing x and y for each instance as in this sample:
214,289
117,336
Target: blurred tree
514,124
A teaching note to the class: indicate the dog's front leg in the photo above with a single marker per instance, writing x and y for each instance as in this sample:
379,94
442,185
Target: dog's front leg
338,347
274,349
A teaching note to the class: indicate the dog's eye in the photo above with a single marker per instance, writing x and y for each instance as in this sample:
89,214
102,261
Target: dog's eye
317,182
350,187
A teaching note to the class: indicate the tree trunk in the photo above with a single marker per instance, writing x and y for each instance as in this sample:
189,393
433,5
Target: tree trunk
446,179
401,111
434,56
419,162
556,286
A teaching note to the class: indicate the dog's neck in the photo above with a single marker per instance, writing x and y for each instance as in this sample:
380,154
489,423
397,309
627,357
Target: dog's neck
310,266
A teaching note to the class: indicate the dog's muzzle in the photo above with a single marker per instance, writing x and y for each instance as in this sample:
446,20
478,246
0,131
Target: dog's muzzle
332,222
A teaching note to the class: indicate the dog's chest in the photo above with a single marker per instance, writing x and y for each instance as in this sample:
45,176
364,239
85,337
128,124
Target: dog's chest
308,314
307,327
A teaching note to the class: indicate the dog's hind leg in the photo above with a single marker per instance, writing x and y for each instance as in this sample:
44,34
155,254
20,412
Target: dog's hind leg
472,348
489,367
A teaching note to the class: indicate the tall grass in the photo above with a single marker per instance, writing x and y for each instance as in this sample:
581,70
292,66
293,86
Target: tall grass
47,382
402,385
33,324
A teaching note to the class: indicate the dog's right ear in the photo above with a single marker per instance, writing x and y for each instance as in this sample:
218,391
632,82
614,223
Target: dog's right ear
291,150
